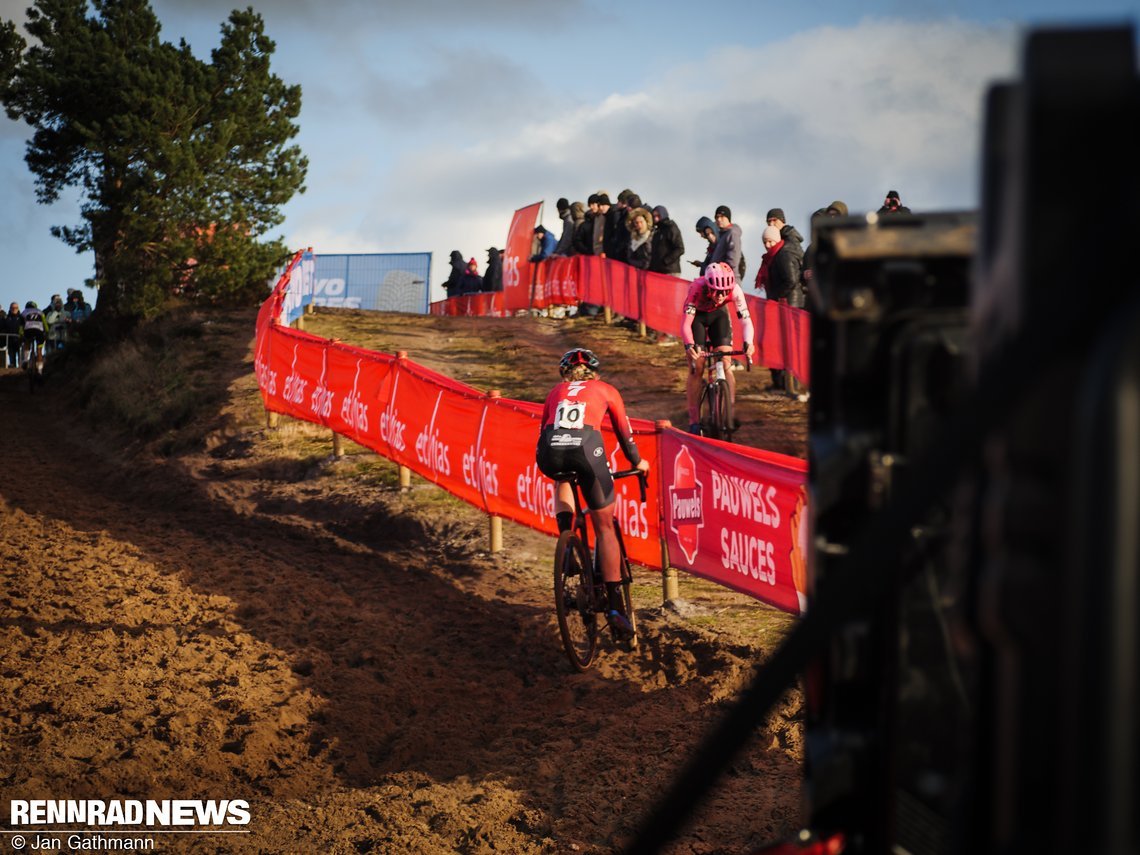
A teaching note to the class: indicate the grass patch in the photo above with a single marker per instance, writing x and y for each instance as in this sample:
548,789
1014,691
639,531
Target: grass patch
164,385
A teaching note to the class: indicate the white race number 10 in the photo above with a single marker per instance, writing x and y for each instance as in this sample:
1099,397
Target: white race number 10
570,415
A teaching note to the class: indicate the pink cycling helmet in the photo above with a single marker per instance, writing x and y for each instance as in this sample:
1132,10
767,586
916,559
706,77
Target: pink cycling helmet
719,276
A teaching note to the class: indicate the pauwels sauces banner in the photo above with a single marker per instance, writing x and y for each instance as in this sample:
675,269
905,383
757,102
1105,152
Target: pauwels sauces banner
736,516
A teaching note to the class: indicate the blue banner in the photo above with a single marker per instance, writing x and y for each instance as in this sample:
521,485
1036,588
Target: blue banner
382,282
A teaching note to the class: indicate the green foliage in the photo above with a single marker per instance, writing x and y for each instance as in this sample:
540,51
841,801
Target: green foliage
184,165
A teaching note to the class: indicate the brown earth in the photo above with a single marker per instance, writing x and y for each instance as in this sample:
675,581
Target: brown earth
214,609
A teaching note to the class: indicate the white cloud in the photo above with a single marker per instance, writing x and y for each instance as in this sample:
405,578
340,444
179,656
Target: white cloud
829,113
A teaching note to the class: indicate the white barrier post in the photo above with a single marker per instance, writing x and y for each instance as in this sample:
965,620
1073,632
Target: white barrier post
496,523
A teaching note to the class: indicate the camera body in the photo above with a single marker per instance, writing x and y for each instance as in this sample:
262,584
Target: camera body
988,702
891,358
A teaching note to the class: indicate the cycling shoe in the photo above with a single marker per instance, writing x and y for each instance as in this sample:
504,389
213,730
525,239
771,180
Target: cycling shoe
620,624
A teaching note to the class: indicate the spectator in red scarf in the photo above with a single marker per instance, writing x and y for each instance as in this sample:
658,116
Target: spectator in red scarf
779,276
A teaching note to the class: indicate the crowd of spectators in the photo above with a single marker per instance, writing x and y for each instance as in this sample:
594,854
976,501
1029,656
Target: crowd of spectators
59,319
645,237
464,276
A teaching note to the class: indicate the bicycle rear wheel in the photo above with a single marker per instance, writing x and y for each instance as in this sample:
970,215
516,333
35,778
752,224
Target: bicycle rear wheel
34,368
574,598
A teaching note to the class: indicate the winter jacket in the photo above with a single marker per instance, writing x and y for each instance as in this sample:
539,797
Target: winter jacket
668,247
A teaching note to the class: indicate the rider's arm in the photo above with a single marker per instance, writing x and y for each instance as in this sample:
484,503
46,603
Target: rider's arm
748,332
690,311
548,407
687,326
624,430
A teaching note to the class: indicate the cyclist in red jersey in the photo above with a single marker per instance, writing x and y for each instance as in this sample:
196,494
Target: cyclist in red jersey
571,441
706,315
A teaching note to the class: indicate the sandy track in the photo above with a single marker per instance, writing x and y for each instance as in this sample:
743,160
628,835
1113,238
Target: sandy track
228,626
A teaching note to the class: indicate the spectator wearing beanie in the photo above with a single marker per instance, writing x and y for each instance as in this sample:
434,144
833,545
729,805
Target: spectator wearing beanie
565,241
471,282
780,276
793,240
729,242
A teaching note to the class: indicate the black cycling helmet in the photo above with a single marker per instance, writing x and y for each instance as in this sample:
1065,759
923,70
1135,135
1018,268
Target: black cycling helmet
578,356
31,304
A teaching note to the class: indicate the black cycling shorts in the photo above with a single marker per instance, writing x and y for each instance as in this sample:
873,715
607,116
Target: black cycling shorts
581,452
34,335
716,325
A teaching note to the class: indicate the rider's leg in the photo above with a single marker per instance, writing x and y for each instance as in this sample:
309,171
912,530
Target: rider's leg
606,540
564,505
609,556
728,375
693,389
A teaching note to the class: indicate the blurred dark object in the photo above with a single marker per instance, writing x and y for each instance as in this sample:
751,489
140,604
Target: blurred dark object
890,365
988,702
970,653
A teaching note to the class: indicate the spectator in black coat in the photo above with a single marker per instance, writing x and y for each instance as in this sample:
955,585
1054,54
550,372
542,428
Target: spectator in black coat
668,247
10,327
458,268
493,280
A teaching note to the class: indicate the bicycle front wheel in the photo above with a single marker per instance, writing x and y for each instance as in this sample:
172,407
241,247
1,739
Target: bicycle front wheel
724,412
716,420
626,583
574,598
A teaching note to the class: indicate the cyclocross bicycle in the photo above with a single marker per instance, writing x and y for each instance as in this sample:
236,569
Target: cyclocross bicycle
579,592
34,364
715,406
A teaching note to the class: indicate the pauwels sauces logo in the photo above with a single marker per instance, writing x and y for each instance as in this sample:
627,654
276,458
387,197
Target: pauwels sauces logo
686,517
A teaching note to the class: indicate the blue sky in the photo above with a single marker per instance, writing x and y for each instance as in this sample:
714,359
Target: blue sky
428,123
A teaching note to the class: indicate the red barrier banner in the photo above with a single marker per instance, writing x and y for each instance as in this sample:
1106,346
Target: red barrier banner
783,336
736,516
518,270
663,302
731,514
783,333
624,287
485,304
556,282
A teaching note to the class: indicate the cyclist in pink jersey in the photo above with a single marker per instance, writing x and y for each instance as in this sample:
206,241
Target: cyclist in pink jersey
707,318
571,441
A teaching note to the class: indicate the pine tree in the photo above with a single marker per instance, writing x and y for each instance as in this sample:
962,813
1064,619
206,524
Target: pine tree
184,164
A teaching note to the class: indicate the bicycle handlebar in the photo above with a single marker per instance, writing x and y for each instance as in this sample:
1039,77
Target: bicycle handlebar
705,352
642,478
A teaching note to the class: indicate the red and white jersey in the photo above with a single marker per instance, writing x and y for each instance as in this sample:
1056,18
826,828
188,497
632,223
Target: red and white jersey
583,404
